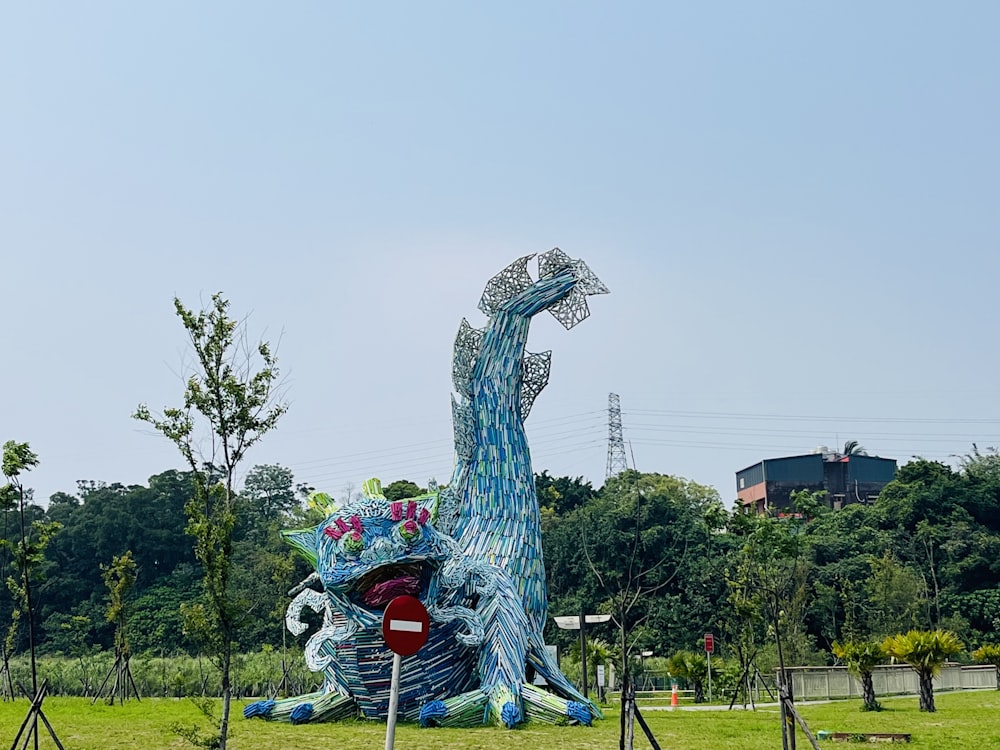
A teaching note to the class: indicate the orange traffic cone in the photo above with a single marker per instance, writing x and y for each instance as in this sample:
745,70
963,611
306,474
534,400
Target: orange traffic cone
673,695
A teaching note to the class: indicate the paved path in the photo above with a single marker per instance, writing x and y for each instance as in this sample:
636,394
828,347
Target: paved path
724,706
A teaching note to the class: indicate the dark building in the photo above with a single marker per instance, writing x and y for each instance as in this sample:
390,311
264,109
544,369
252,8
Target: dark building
853,478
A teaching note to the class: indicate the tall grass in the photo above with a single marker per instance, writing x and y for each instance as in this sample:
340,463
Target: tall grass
257,674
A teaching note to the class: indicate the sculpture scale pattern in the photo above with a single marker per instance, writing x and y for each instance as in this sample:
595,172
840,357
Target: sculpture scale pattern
471,552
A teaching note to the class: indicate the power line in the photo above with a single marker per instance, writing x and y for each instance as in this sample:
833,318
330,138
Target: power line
811,418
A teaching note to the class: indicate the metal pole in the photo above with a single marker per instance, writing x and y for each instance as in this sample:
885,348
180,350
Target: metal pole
390,725
709,655
583,651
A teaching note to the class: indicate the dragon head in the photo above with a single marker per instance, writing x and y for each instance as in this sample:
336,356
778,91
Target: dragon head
371,550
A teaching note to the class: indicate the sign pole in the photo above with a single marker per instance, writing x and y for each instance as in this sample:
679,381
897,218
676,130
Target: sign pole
405,627
390,726
709,655
574,622
709,648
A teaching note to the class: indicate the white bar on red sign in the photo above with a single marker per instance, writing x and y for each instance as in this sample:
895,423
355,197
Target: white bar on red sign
410,626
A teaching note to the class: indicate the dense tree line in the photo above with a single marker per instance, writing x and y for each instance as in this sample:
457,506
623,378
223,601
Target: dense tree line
101,521
925,555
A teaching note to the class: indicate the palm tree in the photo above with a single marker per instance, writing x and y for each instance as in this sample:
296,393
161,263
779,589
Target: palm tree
691,667
989,653
854,448
861,657
925,651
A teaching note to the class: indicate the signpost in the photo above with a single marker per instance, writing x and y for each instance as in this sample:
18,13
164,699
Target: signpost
405,626
572,622
709,648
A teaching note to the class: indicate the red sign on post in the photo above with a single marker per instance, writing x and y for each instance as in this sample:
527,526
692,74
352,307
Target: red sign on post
709,643
405,625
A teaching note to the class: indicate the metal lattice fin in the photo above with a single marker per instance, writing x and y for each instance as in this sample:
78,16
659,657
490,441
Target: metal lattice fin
462,421
467,342
573,307
511,281
534,377
552,262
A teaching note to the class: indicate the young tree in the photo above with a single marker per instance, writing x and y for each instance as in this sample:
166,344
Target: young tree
29,550
768,582
925,651
635,537
231,392
861,657
8,501
119,577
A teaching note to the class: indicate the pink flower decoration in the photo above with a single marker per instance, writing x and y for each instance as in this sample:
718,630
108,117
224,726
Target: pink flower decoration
356,523
397,510
411,510
333,533
424,515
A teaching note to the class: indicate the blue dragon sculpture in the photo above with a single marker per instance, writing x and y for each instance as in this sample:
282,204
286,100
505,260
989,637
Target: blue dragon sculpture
471,552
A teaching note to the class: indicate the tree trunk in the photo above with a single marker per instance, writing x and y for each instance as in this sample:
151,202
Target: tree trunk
926,691
7,686
624,690
699,692
226,694
29,610
868,692
628,712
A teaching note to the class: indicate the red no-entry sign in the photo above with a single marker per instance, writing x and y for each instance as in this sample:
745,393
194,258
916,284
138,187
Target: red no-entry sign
709,643
405,625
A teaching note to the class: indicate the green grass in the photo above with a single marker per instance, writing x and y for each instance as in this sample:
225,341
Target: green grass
962,721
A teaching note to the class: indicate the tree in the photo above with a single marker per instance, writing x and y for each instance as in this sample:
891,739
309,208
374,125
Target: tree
897,596
842,545
269,493
635,537
925,651
854,448
768,583
119,577
693,668
562,494
231,391
103,523
861,657
989,653
402,489
982,473
29,550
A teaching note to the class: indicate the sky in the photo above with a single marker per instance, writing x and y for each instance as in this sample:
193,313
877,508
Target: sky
794,205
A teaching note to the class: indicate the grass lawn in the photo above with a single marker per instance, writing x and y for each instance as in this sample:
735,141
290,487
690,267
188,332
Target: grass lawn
962,721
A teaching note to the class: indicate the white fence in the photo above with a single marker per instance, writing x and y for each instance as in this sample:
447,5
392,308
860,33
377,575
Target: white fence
818,683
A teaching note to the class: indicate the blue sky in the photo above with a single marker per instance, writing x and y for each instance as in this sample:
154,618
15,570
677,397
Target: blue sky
794,205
